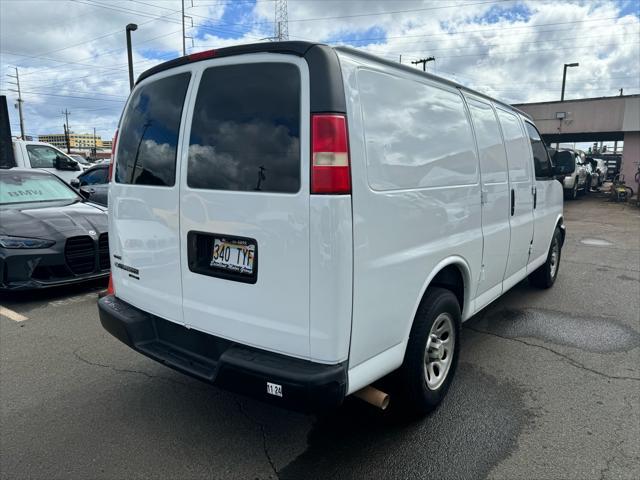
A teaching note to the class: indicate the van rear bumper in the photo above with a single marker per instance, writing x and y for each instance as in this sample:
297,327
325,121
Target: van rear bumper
306,386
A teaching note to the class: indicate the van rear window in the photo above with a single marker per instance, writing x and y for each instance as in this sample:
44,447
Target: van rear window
245,134
148,136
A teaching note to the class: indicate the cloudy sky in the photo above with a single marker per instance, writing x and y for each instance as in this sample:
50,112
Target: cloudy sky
71,54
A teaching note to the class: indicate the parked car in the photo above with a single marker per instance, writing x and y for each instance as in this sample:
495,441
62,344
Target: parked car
94,183
579,180
303,260
49,235
81,160
46,157
598,171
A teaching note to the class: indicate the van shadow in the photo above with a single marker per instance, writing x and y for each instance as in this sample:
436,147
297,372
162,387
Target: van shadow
52,293
475,427
117,423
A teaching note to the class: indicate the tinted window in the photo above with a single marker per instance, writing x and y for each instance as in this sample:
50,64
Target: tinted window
245,133
540,156
517,147
493,160
148,135
30,187
95,176
416,135
41,156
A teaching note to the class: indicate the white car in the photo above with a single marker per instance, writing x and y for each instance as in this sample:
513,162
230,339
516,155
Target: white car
44,156
579,180
327,217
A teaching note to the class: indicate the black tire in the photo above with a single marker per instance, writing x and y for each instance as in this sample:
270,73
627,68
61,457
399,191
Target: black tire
545,276
573,193
417,396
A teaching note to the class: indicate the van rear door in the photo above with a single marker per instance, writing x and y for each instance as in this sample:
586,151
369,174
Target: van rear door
244,202
143,203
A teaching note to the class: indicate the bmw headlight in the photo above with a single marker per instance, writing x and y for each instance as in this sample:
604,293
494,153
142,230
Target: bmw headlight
7,241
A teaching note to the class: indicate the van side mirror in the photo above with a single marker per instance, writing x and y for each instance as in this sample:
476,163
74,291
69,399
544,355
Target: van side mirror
75,183
563,163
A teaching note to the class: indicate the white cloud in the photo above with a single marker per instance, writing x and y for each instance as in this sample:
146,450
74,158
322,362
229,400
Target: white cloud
514,50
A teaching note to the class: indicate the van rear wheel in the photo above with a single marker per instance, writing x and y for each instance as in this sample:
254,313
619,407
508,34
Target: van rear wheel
545,276
432,352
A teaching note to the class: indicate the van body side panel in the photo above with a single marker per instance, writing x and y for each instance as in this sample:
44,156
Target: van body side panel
144,217
331,280
520,184
247,122
548,209
403,229
495,200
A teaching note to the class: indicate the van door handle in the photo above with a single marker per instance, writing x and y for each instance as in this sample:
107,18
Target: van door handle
513,202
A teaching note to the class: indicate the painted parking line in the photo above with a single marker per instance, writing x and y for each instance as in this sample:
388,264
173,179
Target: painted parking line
74,299
11,315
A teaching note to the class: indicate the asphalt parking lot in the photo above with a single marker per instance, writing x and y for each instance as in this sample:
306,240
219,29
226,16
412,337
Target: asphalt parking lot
548,386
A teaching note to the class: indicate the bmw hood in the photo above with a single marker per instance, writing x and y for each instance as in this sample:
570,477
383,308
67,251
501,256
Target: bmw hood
53,222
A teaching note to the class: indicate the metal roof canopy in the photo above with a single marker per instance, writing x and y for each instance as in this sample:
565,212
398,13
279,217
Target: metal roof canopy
586,119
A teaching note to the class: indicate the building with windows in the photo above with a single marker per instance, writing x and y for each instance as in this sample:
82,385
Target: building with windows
76,140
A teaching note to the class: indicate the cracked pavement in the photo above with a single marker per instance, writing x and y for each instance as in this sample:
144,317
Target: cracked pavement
548,387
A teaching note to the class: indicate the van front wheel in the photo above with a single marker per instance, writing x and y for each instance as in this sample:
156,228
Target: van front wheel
432,352
545,275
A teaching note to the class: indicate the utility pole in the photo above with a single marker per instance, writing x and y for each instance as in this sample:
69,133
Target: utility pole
66,129
564,77
424,61
66,136
184,33
281,21
20,101
400,59
95,147
132,27
184,46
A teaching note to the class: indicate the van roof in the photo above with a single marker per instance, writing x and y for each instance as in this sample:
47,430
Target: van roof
301,49
289,48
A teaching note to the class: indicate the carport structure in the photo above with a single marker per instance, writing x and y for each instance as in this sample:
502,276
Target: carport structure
593,120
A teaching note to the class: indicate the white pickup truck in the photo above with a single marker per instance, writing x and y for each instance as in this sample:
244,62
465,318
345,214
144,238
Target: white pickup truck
46,157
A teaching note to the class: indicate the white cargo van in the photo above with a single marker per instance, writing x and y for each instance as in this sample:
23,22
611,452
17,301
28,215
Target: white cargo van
295,222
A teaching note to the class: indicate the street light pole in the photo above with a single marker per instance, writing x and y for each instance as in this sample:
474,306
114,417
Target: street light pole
130,28
564,77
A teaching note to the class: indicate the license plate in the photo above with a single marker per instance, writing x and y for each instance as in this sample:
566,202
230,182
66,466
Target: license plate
233,255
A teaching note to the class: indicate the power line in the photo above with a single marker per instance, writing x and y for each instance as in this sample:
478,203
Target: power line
412,10
550,40
528,52
484,30
77,97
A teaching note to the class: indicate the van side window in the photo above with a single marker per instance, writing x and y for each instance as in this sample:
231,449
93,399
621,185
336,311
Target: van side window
518,150
148,135
417,135
245,134
541,160
493,160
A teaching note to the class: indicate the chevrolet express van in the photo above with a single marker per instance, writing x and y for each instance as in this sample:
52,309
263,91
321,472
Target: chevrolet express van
295,222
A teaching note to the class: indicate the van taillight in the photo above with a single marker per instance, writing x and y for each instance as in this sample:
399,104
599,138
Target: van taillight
113,153
330,170
110,289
